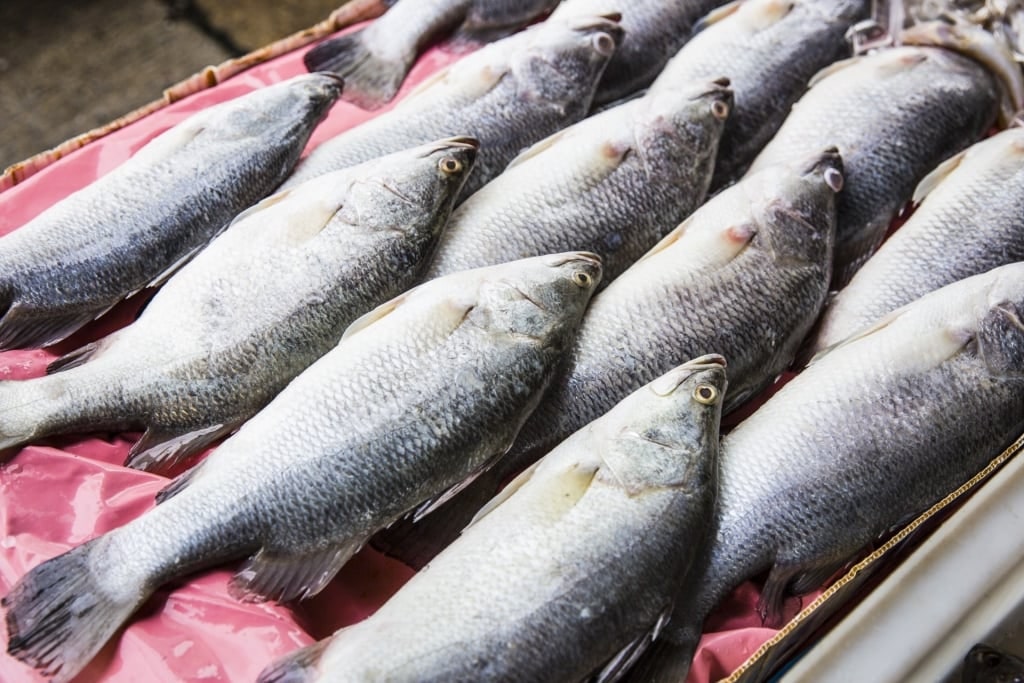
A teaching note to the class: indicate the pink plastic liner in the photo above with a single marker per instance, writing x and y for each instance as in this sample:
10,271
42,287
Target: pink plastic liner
55,497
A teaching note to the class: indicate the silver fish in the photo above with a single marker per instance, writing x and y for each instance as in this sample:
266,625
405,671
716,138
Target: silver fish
769,50
962,228
894,115
508,95
866,438
269,296
655,30
375,60
134,226
537,587
744,276
613,184
418,395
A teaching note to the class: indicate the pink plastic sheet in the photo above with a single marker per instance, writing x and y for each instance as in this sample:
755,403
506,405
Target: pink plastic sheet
55,497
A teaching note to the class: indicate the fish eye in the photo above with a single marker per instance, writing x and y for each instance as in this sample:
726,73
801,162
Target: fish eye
706,394
603,44
449,165
719,109
834,179
581,279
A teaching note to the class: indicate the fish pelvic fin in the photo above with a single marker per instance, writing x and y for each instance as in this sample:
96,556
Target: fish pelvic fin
159,451
370,81
298,667
58,618
286,576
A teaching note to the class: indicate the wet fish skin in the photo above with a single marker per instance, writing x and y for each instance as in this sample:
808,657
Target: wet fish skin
962,228
769,50
78,258
744,276
418,395
655,30
985,664
269,296
613,184
894,116
544,566
508,95
866,438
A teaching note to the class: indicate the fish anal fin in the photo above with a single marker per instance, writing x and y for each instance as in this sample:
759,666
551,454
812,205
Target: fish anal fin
158,450
298,667
25,327
283,577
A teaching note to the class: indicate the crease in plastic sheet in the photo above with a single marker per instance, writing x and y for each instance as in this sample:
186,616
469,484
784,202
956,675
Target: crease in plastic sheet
55,497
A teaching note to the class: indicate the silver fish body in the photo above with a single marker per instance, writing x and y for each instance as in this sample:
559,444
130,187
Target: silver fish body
133,226
374,61
655,30
270,295
863,440
508,95
769,50
418,395
613,184
539,587
745,276
962,228
894,116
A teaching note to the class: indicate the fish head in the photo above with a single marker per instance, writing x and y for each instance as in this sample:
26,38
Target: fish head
412,191
690,119
309,95
565,59
542,298
665,434
984,664
795,207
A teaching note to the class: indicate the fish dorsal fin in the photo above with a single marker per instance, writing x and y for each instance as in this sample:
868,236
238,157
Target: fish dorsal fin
717,15
286,576
832,69
379,313
935,178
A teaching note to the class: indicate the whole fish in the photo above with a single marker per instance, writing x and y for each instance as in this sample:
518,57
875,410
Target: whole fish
866,438
962,228
418,395
134,226
613,184
269,296
894,115
508,95
375,60
985,664
655,30
745,276
538,587
769,50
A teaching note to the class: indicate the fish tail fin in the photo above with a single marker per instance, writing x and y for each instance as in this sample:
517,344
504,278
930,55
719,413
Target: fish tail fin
371,81
298,667
58,618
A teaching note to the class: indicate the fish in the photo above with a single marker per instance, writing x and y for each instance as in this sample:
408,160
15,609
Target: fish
375,60
744,276
613,184
507,95
133,227
961,228
894,115
986,664
769,50
654,31
866,438
270,295
418,395
537,587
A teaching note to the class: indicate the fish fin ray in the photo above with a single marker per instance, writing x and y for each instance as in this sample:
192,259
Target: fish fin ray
22,328
936,176
73,359
622,662
815,577
158,451
170,270
666,660
999,341
269,575
178,484
296,667
370,81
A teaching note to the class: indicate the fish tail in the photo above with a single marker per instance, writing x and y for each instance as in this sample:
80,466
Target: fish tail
298,667
58,617
370,81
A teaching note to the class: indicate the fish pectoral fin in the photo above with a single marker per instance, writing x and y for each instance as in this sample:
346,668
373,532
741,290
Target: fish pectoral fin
788,578
23,327
935,178
158,451
296,667
1001,341
286,576
621,663
79,356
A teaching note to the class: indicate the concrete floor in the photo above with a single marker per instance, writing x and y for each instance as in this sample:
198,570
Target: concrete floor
68,66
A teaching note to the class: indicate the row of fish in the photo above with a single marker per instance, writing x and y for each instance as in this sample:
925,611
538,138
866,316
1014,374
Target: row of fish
431,388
